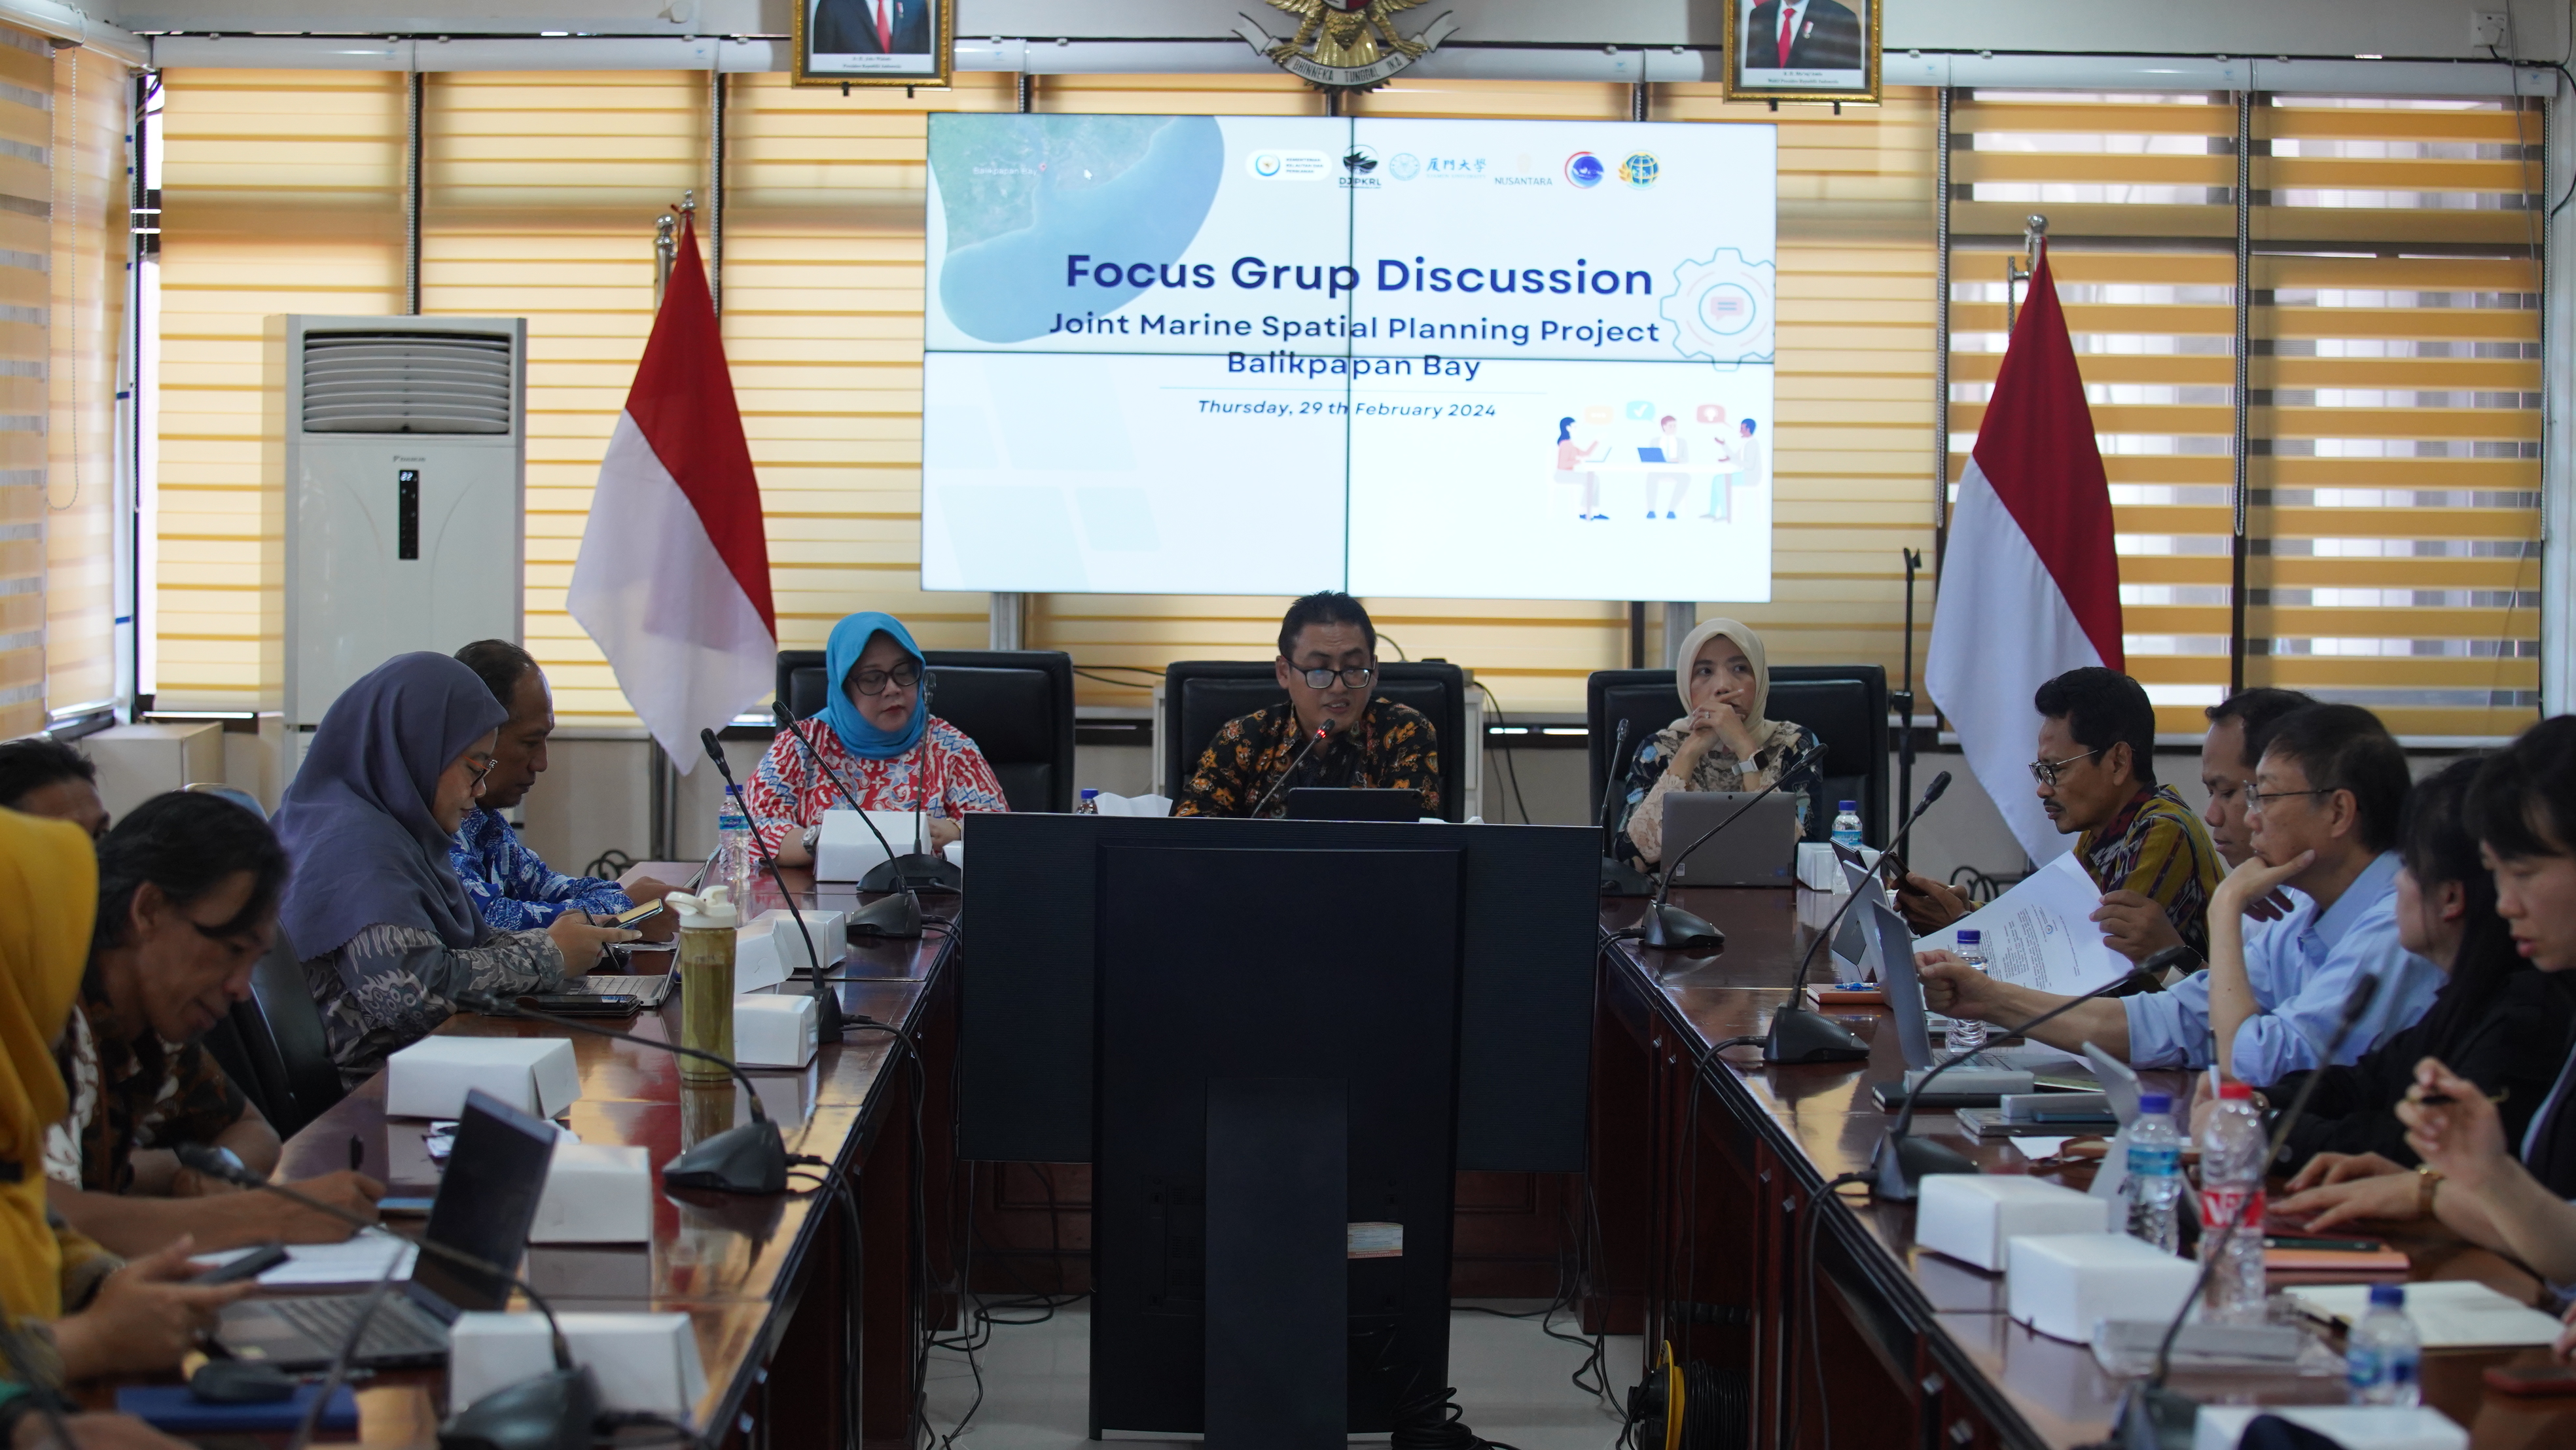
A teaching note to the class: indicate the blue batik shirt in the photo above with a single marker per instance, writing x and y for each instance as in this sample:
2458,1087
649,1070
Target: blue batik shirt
512,888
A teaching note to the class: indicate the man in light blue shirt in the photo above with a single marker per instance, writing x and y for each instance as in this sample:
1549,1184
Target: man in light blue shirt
2322,813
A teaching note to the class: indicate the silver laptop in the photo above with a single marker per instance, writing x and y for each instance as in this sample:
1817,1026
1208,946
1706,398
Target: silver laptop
1759,850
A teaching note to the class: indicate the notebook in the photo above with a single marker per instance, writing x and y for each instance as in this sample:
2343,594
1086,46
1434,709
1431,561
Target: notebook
2448,1313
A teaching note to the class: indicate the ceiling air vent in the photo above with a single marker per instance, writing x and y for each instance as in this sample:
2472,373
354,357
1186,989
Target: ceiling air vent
406,382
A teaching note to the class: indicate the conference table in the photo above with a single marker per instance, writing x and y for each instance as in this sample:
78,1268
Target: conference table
1719,1232
779,1297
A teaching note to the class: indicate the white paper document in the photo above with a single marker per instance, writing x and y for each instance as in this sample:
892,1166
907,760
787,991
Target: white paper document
359,1260
2040,934
1140,805
2448,1313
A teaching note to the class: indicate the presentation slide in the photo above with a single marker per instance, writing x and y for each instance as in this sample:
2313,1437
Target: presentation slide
1473,359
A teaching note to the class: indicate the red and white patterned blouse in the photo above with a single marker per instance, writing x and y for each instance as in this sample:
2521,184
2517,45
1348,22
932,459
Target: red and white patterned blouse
943,775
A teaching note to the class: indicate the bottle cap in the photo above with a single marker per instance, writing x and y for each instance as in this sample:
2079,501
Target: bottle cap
1090,792
1972,937
2388,1296
1851,805
2155,1102
2236,1092
709,910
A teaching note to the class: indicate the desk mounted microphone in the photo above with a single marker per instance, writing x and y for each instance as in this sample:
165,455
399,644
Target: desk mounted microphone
1670,928
2152,1417
1903,1161
748,1159
1798,1035
1294,761
827,1004
1618,878
551,1411
880,877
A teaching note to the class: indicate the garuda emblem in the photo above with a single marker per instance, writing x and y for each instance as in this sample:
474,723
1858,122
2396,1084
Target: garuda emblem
1345,44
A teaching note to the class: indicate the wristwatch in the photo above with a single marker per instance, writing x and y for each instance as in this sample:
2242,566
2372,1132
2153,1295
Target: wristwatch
812,834
2428,1181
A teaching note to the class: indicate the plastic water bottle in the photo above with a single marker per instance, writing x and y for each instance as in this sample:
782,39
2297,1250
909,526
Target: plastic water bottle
1089,805
1847,825
2382,1354
733,850
2232,1151
2154,1185
1965,1035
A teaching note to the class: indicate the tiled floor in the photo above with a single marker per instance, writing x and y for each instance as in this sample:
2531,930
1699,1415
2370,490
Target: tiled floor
1511,1378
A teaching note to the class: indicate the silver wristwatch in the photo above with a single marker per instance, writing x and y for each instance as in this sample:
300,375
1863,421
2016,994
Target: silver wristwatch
812,834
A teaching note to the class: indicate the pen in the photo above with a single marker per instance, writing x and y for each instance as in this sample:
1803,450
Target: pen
357,1153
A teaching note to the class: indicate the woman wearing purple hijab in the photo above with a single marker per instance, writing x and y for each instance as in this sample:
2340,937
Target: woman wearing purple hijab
385,929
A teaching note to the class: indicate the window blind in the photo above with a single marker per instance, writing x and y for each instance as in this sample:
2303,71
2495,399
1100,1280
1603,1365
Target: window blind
88,302
26,303
2396,417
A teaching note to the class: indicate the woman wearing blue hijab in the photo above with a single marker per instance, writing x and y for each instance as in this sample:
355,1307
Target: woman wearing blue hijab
376,913
878,736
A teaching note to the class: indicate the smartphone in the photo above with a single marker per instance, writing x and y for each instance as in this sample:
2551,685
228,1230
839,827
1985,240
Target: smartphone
2531,1379
584,1004
634,916
249,1266
404,1207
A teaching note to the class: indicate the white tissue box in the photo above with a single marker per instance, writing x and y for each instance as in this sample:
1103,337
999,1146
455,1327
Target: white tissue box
430,1078
1973,1216
1820,870
768,951
2064,1284
645,1363
596,1193
2355,1427
845,850
774,1029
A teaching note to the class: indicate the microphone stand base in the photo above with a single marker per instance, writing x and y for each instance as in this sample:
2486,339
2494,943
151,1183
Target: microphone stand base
1674,930
1904,1161
922,873
895,918
554,1411
1798,1035
830,1023
1618,878
2154,1418
748,1159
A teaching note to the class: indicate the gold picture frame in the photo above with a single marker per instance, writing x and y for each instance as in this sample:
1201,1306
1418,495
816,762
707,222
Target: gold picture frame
1739,14
942,23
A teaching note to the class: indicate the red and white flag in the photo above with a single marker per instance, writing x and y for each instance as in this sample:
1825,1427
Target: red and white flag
2030,587
673,578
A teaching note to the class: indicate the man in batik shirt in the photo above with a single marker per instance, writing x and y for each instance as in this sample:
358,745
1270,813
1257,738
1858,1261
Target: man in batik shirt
1328,665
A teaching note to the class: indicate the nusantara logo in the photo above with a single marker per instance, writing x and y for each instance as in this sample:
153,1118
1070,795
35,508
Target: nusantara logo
1585,169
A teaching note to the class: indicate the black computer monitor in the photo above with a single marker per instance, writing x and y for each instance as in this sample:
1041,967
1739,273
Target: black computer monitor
1529,911
1346,803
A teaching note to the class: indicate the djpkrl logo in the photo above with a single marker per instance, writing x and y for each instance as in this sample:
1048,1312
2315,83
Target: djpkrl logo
1404,166
1359,166
1640,170
1584,169
1265,164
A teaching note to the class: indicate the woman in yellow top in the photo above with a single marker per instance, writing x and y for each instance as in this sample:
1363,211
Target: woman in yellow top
131,1318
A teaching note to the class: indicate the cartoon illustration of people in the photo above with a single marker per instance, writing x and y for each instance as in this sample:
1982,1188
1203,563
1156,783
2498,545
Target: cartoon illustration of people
1746,456
1674,451
1570,455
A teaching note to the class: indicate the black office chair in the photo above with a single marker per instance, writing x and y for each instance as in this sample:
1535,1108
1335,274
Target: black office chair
1845,705
1199,696
1016,705
273,1046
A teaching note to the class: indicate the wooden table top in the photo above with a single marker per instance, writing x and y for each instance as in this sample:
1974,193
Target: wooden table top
1825,1121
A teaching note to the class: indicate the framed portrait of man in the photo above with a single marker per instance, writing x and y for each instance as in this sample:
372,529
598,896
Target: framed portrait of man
874,42
1802,50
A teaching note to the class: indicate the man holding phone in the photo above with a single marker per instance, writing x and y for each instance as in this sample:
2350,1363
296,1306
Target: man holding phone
512,888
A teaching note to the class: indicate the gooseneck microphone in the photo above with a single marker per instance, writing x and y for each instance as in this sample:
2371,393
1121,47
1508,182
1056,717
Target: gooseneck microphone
556,1408
1673,929
1618,878
827,1003
1903,1160
1294,761
749,1159
898,917
1798,1035
2152,1417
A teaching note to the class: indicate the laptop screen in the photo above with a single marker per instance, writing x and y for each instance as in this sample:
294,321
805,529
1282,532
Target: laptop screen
485,1205
1896,978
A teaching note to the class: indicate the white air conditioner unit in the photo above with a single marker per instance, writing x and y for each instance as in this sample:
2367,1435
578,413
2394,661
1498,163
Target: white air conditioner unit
396,448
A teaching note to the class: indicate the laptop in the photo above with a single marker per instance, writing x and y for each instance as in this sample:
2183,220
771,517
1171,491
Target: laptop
1892,945
1650,455
1759,850
1338,803
485,1204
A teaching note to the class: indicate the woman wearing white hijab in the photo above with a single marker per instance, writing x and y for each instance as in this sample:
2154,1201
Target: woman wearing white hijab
1723,743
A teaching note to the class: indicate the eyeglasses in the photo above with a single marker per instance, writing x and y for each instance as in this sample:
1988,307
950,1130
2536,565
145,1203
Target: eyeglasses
2255,796
874,682
2045,771
489,762
1357,677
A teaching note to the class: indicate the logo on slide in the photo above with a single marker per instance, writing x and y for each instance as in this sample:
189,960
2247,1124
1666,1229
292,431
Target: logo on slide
1404,166
1584,169
1265,163
1721,309
1640,170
